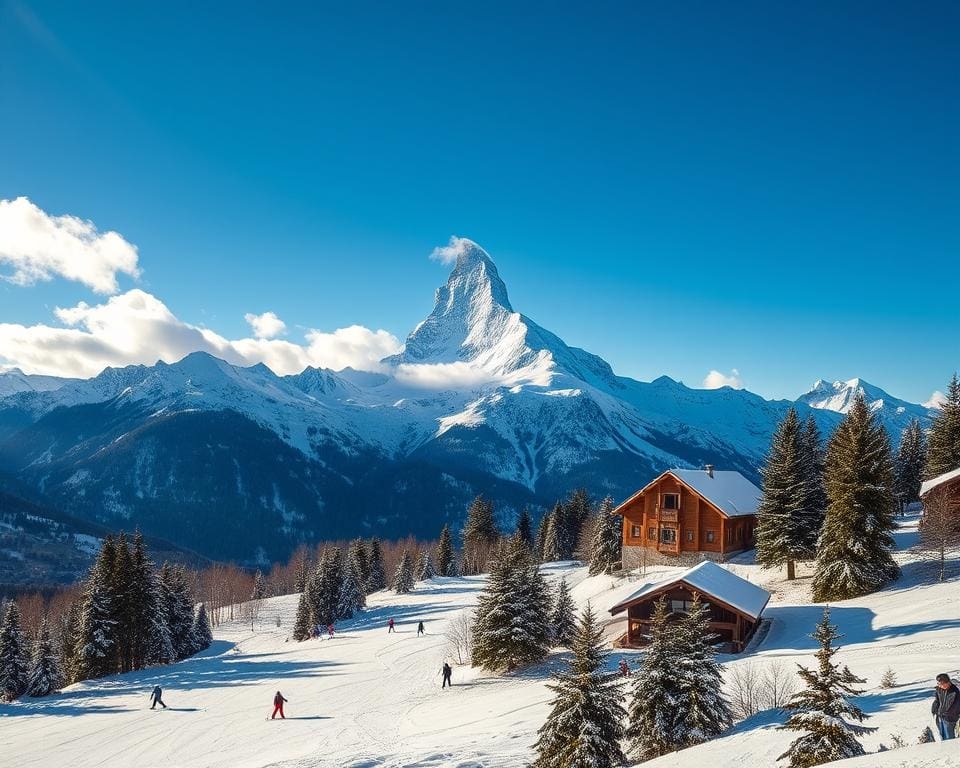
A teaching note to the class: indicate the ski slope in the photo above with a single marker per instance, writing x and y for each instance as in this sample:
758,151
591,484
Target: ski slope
369,698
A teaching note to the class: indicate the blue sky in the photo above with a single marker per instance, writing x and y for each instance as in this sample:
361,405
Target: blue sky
772,188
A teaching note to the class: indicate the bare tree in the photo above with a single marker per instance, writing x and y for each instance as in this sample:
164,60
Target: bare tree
753,687
459,636
939,529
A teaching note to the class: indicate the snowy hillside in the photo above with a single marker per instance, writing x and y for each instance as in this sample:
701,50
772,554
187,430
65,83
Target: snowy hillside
367,698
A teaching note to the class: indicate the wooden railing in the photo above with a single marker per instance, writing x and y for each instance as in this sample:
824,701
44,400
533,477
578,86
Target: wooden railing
669,515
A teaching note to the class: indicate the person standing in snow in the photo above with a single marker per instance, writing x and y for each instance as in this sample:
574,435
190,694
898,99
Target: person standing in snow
624,668
946,706
390,626
420,629
330,629
278,702
156,697
447,672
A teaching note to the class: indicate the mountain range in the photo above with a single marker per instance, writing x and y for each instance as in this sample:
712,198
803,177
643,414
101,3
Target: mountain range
237,462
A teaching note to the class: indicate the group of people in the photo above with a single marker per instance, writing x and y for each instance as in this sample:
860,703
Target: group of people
391,627
318,630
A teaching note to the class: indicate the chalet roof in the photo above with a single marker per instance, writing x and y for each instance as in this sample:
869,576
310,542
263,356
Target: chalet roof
939,480
710,580
727,490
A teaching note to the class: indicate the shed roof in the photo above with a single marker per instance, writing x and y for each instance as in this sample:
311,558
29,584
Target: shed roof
939,480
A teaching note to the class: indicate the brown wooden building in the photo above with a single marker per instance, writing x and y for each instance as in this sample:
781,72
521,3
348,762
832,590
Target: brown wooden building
691,514
947,484
735,604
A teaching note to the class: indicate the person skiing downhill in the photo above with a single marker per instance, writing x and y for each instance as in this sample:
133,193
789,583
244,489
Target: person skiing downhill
447,673
390,626
156,697
420,629
946,707
278,702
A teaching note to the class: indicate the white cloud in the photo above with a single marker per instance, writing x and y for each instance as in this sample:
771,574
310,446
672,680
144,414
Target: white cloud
458,375
265,326
39,246
715,380
448,254
136,327
937,399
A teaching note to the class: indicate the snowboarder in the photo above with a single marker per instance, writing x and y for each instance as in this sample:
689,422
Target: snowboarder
946,706
330,630
420,629
157,698
278,702
447,672
390,626
624,668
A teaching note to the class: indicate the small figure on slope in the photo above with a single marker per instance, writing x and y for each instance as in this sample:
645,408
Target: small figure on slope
157,698
946,707
330,630
624,668
447,673
390,626
278,702
420,629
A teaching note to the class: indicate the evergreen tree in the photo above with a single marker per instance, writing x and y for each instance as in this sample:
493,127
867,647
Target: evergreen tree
200,631
358,554
786,529
67,638
511,627
606,551
525,529
95,654
853,557
159,644
303,626
123,600
352,592
403,578
144,606
563,621
943,442
576,512
424,569
541,541
328,587
658,702
259,586
446,559
911,457
13,655
813,460
378,575
45,676
302,572
822,711
585,724
706,713
179,610
479,535
552,539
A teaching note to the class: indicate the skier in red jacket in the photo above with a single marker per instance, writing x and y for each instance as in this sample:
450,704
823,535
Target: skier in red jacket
278,701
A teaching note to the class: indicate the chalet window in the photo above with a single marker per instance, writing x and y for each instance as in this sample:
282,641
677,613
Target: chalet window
684,606
668,535
709,535
635,532
671,501
652,534
689,535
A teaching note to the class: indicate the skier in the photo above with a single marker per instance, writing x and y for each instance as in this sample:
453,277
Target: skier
316,631
390,626
946,706
420,629
447,672
157,698
278,702
330,629
624,668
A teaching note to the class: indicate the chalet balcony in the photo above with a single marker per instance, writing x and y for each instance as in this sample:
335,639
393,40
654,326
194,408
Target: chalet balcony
668,515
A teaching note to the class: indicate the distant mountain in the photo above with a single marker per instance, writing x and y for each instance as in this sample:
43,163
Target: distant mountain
15,380
241,463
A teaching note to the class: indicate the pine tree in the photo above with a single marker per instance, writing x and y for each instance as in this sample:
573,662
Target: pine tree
123,603
657,702
424,569
853,556
606,551
479,535
95,654
541,541
144,606
200,631
403,577
378,576
160,648
303,626
45,676
943,442
67,638
563,620
785,531
302,572
13,655
510,626
815,494
446,560
822,711
552,539
179,610
352,592
585,724
259,586
706,713
328,585
576,512
525,529
358,554
911,456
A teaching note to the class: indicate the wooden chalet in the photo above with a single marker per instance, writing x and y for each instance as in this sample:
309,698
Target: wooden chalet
735,605
696,513
947,483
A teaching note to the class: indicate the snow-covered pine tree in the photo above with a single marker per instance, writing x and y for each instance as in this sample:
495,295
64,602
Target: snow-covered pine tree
784,532
328,584
13,655
425,569
511,623
378,575
585,724
200,631
706,712
403,579
352,593
943,440
358,554
479,535
853,555
143,599
577,511
822,711
259,586
446,558
525,528
815,494
303,624
563,620
552,546
657,702
69,626
302,572
911,456
95,654
607,539
160,648
541,539
123,603
45,675
179,610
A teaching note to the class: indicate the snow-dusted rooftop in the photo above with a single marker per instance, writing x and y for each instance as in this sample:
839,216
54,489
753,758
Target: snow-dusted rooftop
712,580
727,490
934,482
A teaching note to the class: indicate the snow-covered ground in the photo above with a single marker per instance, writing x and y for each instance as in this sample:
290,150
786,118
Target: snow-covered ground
369,698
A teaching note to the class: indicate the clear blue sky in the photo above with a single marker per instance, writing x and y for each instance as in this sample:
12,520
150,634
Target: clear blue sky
771,187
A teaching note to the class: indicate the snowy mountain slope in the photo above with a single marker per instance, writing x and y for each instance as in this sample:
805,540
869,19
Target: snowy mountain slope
15,380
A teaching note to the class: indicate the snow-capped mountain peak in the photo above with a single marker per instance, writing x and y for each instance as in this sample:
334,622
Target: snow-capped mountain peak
838,396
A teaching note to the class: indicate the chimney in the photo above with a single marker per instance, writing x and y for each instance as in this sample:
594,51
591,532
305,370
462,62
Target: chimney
709,468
